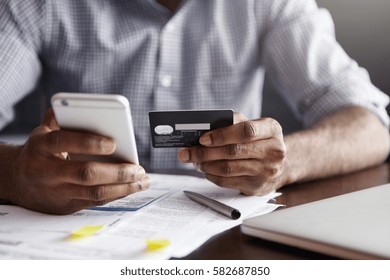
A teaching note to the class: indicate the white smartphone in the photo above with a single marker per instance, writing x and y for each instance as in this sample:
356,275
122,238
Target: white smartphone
103,114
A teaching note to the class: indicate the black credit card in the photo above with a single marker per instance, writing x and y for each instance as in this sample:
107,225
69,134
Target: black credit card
171,129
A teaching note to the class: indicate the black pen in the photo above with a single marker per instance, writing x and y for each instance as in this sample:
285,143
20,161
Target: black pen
217,206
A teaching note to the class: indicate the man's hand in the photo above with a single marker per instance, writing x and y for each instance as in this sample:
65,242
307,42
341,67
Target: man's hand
254,157
248,156
43,180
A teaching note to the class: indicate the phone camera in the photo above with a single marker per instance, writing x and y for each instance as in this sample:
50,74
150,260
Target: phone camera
64,102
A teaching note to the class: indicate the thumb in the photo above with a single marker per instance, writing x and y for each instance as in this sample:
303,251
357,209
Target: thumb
239,117
50,120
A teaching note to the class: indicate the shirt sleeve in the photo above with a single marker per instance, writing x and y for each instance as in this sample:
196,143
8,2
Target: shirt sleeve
21,32
309,67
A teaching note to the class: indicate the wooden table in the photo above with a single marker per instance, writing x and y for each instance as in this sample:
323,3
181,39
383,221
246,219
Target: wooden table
232,245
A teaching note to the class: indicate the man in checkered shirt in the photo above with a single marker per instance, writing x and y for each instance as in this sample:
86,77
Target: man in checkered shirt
183,54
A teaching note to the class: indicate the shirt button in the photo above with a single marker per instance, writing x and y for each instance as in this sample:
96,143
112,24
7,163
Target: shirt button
166,81
170,27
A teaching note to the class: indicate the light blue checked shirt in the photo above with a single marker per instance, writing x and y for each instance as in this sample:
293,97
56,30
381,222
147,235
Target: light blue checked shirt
209,54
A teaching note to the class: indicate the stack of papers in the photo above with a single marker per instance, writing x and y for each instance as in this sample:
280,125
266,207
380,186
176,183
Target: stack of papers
159,223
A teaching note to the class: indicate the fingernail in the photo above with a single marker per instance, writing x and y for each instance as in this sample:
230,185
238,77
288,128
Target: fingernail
139,173
205,140
107,145
145,187
145,184
184,155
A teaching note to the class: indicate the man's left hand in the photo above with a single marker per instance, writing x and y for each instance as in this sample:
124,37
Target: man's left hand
248,155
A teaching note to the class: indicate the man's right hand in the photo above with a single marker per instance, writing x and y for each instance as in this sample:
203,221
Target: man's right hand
43,180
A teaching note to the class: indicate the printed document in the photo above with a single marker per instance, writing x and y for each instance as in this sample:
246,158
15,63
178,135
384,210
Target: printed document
125,229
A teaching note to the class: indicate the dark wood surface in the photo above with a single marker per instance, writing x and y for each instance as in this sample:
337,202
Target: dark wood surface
232,245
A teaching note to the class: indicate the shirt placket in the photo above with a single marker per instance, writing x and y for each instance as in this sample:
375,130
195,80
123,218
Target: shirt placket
166,89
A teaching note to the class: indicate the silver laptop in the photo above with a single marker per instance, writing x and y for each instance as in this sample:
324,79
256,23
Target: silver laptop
351,226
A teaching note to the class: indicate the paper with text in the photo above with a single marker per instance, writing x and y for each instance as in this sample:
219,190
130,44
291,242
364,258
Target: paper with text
184,225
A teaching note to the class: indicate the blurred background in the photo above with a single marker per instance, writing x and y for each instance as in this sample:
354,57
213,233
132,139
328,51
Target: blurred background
362,28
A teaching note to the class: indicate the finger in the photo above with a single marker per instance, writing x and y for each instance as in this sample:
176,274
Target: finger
77,205
239,117
231,168
91,173
48,124
238,182
245,184
272,148
109,192
234,168
73,142
242,132
49,120
71,198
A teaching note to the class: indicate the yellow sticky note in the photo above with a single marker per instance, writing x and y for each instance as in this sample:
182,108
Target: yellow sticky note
84,232
154,245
